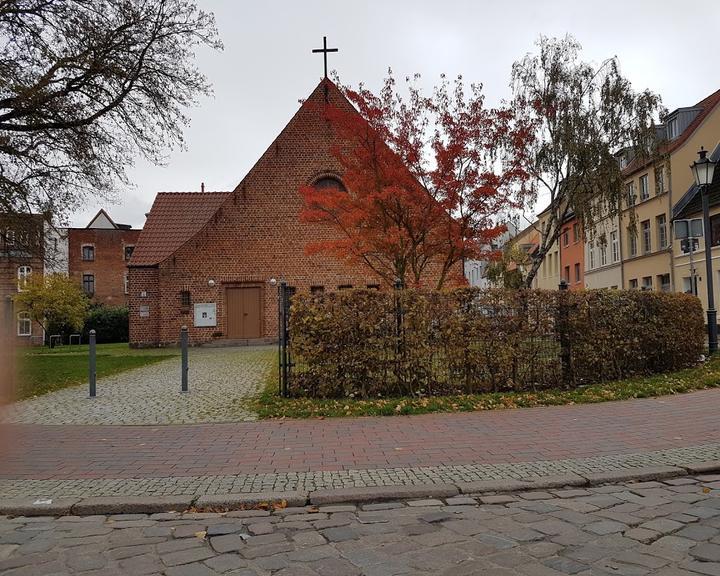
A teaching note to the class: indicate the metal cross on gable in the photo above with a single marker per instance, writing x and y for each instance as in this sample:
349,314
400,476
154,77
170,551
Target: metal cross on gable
324,51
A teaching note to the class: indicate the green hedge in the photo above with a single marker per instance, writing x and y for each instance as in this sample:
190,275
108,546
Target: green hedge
111,324
367,343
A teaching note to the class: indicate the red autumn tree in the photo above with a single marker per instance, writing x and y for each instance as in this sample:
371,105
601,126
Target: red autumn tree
424,189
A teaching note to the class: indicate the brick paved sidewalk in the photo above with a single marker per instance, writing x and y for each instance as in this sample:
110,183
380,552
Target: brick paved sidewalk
251,456
668,528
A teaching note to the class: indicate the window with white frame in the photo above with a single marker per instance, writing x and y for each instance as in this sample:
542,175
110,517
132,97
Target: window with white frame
633,244
663,281
661,222
603,254
660,181
23,274
647,283
125,284
24,324
647,240
630,193
614,246
591,254
633,284
644,188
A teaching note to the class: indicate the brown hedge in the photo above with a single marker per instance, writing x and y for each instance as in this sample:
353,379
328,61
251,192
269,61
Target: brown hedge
367,343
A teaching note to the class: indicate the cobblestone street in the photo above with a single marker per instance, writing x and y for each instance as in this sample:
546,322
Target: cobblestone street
662,528
221,381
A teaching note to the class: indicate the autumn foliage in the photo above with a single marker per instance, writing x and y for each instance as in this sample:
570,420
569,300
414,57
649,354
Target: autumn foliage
421,343
423,187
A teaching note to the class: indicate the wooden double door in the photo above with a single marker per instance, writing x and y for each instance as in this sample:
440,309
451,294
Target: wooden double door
243,306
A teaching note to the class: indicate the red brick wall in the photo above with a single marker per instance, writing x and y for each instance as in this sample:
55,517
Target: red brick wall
255,236
109,266
144,291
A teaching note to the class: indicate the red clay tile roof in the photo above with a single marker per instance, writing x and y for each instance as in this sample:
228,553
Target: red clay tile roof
174,218
707,105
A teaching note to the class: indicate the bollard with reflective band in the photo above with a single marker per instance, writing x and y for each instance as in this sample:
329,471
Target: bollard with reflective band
184,361
92,371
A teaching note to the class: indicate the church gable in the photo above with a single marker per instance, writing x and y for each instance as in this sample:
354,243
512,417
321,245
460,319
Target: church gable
224,258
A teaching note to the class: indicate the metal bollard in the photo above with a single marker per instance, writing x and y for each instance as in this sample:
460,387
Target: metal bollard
184,357
92,375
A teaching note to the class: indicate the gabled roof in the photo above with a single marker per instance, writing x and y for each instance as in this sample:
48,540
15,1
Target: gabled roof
691,202
102,221
706,106
174,218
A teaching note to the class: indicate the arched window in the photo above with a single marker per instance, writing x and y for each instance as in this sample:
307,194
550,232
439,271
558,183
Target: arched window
24,324
23,276
329,183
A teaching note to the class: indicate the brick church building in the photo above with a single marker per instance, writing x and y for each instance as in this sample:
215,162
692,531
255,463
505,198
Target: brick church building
206,259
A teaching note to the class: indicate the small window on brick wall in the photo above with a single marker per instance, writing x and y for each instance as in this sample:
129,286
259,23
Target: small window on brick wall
317,290
185,299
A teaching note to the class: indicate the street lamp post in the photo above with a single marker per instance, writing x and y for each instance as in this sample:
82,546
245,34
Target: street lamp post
703,170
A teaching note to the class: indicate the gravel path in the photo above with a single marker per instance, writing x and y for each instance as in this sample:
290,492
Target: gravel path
221,380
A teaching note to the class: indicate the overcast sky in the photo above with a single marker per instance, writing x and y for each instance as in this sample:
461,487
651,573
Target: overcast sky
267,65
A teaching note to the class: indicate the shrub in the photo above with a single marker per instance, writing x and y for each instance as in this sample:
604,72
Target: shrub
109,322
367,343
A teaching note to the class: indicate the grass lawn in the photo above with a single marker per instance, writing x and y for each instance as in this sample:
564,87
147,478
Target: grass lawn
42,370
270,405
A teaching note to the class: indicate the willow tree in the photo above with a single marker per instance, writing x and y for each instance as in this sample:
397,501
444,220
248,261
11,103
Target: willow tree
580,116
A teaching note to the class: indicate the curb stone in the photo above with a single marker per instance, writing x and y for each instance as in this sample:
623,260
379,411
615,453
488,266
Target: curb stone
703,467
647,473
161,504
250,499
482,486
379,493
37,506
131,505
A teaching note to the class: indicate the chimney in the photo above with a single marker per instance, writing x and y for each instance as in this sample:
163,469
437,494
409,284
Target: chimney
202,186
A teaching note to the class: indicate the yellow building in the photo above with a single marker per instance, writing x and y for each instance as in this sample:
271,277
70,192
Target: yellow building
548,275
636,249
689,257
651,260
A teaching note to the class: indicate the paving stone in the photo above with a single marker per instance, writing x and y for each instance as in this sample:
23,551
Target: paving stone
308,538
194,569
227,543
706,552
225,562
187,556
461,501
564,565
427,502
497,499
222,529
709,568
261,528
662,525
605,527
340,534
698,532
642,535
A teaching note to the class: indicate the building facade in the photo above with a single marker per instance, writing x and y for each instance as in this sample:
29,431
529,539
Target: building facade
636,249
207,260
98,256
